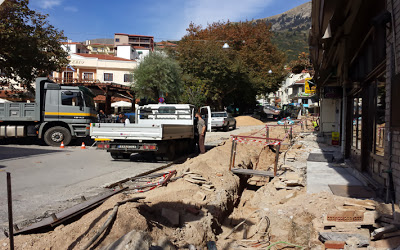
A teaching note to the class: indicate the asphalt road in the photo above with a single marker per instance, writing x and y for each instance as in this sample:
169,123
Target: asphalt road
46,179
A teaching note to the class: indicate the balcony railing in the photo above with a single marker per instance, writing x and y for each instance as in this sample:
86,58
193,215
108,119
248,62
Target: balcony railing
74,80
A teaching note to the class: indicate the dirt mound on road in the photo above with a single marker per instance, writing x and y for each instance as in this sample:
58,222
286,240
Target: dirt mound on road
247,121
199,211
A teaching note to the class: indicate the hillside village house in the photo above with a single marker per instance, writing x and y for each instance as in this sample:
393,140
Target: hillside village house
133,47
100,48
292,90
74,47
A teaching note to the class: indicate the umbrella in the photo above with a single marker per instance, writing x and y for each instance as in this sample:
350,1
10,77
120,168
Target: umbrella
121,104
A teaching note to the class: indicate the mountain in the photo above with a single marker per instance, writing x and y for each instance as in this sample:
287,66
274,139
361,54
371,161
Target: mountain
291,30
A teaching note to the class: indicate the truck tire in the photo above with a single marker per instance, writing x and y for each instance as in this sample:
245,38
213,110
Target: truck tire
116,156
55,135
126,156
171,153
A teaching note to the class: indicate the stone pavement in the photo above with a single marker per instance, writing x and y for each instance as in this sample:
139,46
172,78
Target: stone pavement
322,174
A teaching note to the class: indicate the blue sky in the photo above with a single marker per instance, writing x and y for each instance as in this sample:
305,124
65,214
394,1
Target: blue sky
163,19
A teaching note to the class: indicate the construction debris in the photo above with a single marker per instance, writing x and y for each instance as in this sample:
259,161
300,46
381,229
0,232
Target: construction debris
199,180
201,204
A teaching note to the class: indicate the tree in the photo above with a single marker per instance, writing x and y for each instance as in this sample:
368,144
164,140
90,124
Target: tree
302,63
235,75
30,46
156,76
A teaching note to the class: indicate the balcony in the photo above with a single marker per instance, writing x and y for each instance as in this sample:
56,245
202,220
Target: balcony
300,95
73,80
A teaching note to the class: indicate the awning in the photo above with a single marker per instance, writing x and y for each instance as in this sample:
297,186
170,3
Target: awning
121,104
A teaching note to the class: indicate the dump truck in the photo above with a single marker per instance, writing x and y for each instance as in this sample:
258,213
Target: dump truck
59,114
163,130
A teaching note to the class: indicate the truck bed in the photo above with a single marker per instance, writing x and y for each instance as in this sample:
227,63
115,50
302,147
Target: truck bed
19,111
120,131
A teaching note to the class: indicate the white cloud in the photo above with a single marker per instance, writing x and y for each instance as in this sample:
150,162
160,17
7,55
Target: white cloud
71,9
48,4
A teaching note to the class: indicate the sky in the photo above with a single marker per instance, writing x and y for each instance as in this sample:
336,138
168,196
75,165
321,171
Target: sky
164,19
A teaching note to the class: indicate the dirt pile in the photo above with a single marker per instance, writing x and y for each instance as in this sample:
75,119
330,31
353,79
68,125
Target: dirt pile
247,121
198,212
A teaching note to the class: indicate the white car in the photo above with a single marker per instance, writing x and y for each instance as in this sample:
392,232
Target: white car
222,120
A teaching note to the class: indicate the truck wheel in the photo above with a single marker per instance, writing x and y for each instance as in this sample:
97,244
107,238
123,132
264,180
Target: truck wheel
171,152
55,135
126,156
226,128
116,156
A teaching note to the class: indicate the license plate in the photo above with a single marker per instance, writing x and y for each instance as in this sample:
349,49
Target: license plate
127,146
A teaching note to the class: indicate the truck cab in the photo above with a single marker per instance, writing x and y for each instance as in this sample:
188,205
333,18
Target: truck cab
58,114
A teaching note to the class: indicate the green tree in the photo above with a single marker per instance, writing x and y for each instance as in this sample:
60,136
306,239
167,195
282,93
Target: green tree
158,75
235,75
29,45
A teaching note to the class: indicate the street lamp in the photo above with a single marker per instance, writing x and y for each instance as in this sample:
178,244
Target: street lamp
225,46
269,71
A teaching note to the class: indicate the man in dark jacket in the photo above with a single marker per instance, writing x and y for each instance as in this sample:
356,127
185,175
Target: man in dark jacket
201,128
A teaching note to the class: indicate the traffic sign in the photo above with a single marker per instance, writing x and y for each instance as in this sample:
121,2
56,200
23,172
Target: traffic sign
161,100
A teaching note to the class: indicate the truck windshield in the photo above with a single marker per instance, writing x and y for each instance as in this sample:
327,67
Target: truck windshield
88,101
88,96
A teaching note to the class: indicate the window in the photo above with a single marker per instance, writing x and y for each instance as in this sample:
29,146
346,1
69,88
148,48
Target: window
108,77
380,119
166,110
68,76
140,52
79,50
128,78
69,98
94,49
357,104
117,40
88,76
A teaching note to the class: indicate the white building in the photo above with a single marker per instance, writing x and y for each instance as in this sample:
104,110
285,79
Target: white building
97,68
292,90
74,47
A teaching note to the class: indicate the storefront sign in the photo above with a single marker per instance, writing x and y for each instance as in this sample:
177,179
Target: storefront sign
333,92
308,89
75,62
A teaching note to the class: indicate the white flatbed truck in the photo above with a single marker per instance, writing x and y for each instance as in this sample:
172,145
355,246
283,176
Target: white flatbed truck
161,129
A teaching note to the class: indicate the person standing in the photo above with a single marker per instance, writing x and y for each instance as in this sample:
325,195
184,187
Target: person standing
101,116
201,128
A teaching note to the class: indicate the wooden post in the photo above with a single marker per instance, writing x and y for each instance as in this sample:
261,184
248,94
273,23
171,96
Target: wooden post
233,145
233,155
277,148
291,133
10,213
267,134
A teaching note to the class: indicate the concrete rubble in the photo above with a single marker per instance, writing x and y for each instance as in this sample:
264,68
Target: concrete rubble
205,206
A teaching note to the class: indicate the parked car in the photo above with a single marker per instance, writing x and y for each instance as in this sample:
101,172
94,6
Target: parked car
222,120
271,111
289,110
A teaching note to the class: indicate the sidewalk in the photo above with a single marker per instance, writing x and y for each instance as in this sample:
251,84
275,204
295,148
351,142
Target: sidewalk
323,168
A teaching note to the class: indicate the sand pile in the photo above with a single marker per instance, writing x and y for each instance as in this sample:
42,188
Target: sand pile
247,121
